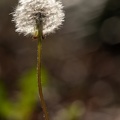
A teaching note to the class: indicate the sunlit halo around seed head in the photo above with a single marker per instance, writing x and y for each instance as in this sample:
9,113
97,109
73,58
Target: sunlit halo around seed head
27,11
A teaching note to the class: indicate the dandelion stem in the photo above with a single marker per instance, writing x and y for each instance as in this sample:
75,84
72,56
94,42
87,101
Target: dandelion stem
43,104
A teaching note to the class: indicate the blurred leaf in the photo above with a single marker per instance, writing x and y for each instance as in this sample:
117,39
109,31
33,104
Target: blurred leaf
75,110
72,112
28,96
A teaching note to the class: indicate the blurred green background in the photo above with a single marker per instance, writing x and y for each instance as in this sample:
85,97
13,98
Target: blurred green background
80,65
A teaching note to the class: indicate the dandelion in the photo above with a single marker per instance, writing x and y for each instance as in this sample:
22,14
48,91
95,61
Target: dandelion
38,18
26,12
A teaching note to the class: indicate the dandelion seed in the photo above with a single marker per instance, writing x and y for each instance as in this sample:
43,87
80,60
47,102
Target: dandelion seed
25,16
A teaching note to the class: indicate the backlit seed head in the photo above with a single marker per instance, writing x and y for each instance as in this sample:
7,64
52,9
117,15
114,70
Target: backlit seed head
25,15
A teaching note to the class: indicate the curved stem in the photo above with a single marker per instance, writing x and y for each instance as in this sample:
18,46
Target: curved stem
39,27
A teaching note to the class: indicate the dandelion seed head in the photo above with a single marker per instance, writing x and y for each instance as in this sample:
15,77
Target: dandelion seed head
25,16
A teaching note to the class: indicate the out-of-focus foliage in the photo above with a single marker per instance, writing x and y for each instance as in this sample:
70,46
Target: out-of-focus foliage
73,111
22,107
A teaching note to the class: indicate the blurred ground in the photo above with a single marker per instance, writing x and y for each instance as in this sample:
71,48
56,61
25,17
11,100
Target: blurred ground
82,61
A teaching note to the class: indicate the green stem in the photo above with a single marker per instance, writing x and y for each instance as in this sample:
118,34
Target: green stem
43,104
